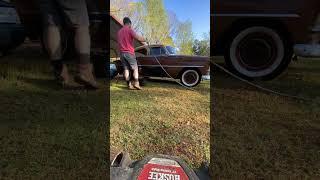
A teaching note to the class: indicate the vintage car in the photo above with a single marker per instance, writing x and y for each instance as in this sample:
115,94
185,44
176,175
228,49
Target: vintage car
12,32
163,61
258,38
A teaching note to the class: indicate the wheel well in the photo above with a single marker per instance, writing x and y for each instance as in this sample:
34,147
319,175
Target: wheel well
241,24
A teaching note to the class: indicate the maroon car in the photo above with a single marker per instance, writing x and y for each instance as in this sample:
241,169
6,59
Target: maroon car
163,61
258,38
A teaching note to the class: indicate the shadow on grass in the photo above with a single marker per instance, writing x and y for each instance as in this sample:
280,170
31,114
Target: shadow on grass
48,84
289,82
46,131
256,135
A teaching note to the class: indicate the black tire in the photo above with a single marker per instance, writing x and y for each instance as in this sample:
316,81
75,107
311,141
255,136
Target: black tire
4,53
190,77
262,43
143,81
100,65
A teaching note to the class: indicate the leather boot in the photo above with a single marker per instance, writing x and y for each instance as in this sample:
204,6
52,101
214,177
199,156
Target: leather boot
130,86
136,85
61,73
85,76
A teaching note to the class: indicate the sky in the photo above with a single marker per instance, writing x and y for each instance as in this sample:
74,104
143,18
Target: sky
198,11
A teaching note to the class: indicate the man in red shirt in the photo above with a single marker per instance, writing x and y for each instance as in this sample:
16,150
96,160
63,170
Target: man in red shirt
126,37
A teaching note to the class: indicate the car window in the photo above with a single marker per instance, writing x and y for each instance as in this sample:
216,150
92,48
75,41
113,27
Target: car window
141,52
156,51
171,50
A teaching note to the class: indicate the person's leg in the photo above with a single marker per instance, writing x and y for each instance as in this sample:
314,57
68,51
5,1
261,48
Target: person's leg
126,70
76,14
85,69
136,83
126,74
135,70
52,40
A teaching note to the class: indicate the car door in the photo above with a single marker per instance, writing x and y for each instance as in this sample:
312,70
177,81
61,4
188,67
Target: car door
150,64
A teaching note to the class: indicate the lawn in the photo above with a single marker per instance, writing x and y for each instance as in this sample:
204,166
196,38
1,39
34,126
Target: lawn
260,135
46,131
163,118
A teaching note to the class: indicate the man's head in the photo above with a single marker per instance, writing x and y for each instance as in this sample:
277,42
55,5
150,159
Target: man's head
126,21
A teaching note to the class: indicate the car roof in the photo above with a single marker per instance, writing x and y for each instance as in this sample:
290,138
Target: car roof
146,46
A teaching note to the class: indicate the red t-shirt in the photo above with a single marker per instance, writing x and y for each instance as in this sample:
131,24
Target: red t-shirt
126,40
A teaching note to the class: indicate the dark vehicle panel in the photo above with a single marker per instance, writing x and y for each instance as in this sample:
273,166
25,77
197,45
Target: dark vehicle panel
12,33
295,16
5,4
259,37
29,12
173,64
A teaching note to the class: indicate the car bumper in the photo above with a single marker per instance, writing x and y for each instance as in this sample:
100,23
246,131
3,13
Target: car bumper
113,71
307,50
11,35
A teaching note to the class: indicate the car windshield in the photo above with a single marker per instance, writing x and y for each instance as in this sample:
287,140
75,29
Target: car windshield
171,50
157,51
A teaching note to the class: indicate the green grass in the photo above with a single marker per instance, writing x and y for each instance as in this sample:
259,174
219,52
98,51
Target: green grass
163,118
260,135
46,131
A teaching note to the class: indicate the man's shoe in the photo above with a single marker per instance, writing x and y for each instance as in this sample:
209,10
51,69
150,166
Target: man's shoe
130,86
136,85
85,76
61,73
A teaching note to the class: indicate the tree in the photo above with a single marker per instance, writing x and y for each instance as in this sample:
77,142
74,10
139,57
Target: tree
184,38
155,22
149,18
202,47
128,8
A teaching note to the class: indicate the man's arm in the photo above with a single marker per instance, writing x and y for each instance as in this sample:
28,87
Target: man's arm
138,37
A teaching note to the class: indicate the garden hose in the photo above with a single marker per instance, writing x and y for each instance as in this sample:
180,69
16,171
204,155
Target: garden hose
189,88
260,87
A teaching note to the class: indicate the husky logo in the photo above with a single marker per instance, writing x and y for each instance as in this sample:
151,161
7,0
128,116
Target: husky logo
162,176
162,169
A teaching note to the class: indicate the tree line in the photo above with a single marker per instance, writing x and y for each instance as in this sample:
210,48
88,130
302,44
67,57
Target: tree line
160,26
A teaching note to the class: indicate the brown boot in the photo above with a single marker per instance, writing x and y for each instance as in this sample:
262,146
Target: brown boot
85,76
61,73
130,86
136,84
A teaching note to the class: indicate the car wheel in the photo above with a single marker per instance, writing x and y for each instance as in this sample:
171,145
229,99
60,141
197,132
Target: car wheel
100,65
258,53
190,77
142,81
4,53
